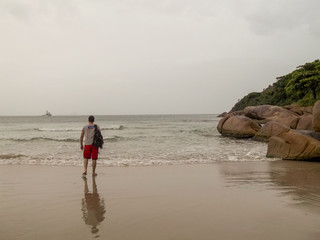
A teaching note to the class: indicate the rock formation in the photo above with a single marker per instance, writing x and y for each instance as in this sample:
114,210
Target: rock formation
316,117
291,132
305,122
270,129
238,126
266,113
294,145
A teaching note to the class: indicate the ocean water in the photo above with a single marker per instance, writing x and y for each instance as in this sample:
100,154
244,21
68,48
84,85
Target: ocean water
138,140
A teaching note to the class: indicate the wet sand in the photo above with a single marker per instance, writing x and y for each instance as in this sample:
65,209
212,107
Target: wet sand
235,200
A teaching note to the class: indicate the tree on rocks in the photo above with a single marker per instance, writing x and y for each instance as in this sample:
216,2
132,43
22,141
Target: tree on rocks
304,80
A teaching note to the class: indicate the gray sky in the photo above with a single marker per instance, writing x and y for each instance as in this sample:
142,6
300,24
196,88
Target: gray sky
148,56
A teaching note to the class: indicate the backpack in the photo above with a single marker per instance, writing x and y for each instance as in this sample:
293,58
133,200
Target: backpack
97,139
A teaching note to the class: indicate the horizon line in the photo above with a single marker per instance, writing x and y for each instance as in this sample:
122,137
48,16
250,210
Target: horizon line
141,114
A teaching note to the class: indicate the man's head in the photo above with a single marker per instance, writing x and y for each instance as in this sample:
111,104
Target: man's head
91,119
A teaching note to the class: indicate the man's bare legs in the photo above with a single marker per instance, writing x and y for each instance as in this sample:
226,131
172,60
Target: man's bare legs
94,165
85,166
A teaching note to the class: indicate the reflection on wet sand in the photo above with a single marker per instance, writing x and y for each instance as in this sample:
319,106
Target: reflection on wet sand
245,173
299,180
93,207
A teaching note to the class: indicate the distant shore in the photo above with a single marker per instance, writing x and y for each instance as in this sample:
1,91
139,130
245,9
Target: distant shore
227,200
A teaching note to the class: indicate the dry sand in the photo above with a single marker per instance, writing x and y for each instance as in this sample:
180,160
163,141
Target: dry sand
239,200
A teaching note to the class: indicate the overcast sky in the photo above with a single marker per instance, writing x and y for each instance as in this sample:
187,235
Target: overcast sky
148,56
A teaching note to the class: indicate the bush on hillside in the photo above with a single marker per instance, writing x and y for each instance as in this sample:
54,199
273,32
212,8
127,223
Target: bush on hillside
300,87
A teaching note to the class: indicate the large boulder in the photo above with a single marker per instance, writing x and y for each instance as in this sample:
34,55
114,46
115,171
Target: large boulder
221,122
294,145
305,122
258,112
294,123
267,113
222,114
299,110
238,126
270,129
229,114
316,117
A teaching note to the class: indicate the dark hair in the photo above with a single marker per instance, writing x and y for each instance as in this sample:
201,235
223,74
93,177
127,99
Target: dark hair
91,119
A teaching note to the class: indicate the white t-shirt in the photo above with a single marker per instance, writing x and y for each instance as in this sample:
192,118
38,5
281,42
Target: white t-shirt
89,133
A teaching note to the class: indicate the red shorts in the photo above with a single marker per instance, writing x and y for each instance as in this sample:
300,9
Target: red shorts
90,151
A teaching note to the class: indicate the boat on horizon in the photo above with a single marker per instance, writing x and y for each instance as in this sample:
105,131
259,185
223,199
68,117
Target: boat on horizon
48,114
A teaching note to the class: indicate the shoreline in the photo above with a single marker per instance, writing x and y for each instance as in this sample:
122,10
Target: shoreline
226,200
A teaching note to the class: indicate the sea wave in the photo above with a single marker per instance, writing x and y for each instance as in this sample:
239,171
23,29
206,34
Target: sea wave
11,156
113,139
120,127
199,121
116,162
43,139
34,139
56,129
205,132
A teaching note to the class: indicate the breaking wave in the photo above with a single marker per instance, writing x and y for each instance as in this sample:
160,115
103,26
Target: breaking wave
120,127
113,139
204,132
56,129
107,139
11,156
43,139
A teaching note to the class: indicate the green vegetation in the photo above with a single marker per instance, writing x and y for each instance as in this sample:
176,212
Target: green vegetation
300,87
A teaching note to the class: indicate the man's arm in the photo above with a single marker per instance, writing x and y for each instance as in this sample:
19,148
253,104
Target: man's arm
81,139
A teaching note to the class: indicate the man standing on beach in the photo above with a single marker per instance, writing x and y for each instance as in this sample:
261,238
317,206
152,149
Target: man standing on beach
89,151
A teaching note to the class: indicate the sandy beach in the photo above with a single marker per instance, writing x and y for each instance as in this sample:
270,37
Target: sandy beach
231,200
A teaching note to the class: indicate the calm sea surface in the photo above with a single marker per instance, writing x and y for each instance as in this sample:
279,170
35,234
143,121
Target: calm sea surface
129,141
